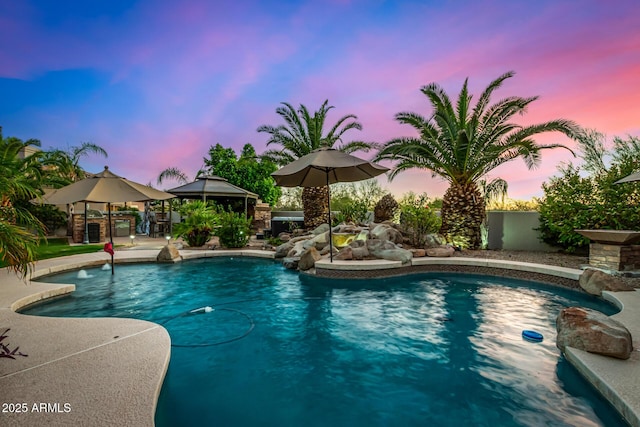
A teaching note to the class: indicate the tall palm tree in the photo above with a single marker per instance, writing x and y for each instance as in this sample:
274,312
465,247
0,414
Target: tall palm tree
463,144
67,162
66,169
20,177
300,135
173,173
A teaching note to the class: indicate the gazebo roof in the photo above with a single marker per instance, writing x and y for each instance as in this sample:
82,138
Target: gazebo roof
211,186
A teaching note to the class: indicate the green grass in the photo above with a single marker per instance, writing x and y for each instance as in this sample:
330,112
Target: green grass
54,248
57,247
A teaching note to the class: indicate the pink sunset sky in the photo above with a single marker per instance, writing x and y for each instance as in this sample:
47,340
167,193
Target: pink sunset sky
156,83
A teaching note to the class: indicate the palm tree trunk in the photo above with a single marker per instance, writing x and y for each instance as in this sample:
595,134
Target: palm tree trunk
315,206
463,212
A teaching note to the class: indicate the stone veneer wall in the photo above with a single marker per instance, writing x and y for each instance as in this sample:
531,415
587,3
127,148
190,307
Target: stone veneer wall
614,257
261,217
78,226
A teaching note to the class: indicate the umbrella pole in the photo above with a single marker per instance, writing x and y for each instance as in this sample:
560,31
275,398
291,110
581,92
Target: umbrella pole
329,214
86,226
110,235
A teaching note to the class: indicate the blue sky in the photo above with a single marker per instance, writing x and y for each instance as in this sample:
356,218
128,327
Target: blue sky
156,83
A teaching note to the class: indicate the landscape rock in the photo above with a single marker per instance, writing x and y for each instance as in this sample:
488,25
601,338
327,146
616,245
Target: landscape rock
283,249
385,249
321,240
300,238
285,237
290,262
440,251
434,241
592,331
325,250
418,253
358,243
169,253
386,232
345,254
595,281
308,259
375,245
297,249
322,228
360,253
347,228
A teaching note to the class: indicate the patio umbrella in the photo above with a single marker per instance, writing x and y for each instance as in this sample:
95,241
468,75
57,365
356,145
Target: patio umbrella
326,166
105,187
633,177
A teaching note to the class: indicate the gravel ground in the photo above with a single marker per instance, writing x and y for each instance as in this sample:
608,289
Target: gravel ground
549,258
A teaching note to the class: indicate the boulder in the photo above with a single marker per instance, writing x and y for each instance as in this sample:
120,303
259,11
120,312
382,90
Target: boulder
300,238
285,237
592,331
440,251
283,249
434,241
290,262
418,253
386,232
347,228
360,253
402,255
322,228
358,243
168,254
345,254
308,259
595,281
321,240
297,249
325,250
384,249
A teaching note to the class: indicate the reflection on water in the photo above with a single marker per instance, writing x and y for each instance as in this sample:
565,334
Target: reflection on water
442,350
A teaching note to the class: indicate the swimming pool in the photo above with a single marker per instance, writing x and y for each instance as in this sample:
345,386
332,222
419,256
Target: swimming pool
287,350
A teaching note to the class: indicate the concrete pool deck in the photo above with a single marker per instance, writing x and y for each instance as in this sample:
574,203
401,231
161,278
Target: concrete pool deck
104,371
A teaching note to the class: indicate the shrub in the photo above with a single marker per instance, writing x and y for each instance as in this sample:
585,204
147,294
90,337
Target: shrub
417,219
234,230
574,201
199,222
352,210
385,209
50,216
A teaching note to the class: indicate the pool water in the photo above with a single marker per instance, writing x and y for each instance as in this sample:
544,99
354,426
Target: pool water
280,349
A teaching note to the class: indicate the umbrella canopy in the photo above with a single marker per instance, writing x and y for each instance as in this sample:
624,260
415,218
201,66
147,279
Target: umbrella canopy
326,166
105,187
633,177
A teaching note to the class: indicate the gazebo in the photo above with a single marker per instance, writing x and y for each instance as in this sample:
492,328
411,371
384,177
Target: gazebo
212,187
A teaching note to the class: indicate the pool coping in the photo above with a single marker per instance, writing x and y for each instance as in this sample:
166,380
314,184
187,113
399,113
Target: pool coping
128,358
